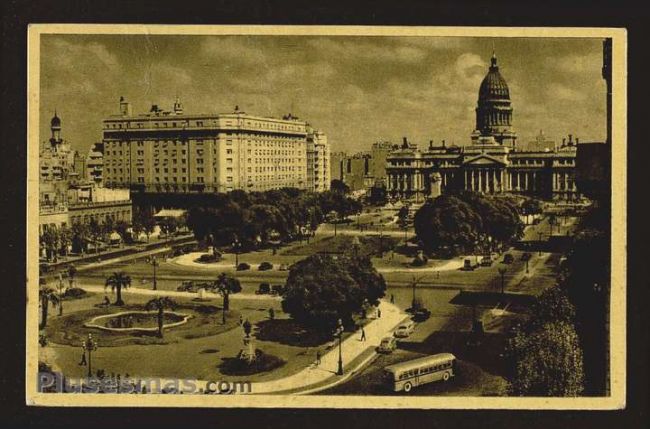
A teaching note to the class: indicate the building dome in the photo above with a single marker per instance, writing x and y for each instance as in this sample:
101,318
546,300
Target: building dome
494,110
56,122
494,86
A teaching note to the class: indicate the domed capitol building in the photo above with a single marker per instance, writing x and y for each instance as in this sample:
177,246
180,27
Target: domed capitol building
492,164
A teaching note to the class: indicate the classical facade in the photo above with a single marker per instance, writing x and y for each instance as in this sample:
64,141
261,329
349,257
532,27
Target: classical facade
492,163
174,152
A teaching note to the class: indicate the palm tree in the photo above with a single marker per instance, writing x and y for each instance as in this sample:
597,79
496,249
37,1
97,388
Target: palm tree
117,281
46,295
226,285
160,304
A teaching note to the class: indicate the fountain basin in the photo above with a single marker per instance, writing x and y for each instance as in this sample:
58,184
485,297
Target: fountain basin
136,321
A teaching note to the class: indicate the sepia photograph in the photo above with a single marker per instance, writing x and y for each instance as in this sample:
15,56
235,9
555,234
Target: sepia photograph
293,216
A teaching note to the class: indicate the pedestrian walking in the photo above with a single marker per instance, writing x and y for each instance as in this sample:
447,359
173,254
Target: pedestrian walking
317,357
241,320
363,334
378,314
392,298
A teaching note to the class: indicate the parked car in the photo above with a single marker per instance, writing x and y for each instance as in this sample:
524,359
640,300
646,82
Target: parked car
405,329
525,256
243,266
277,289
508,258
265,266
263,289
387,345
421,314
486,261
467,265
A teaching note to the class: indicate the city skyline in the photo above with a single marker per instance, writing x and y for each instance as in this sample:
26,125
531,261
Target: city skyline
341,85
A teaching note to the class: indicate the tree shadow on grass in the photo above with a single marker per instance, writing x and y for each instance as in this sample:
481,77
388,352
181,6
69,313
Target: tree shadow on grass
262,363
291,333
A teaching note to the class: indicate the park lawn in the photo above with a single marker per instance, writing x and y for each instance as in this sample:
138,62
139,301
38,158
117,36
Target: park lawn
198,358
368,244
205,320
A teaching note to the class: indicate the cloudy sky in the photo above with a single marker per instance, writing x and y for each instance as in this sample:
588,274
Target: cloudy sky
357,89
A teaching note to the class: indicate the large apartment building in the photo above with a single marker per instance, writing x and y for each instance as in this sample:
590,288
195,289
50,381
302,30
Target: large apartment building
318,161
174,152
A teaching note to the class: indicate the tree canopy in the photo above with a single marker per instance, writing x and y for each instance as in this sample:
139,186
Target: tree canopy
585,278
459,222
259,218
548,361
545,353
322,289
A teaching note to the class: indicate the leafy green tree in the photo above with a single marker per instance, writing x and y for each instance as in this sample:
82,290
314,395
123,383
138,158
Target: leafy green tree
65,239
267,219
458,222
447,223
585,278
378,195
108,226
364,273
159,304
169,225
321,289
50,240
72,272
80,237
136,230
117,281
95,232
122,228
547,361
148,223
552,305
47,296
531,207
339,186
225,285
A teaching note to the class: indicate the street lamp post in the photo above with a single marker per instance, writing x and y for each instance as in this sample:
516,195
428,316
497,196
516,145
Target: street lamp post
527,266
339,333
60,287
539,243
381,239
154,263
413,298
236,245
502,271
89,345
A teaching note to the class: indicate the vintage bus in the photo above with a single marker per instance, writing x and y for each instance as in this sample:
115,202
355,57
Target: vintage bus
407,375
